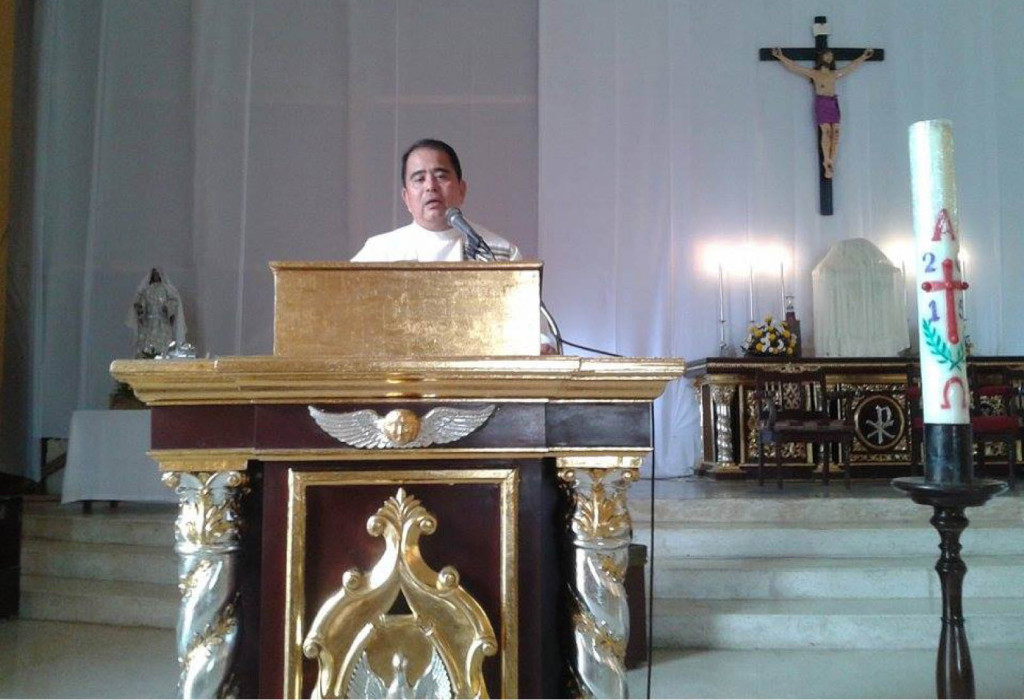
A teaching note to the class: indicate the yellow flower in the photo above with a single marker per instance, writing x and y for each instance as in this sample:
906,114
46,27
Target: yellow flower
789,351
768,319
785,333
759,347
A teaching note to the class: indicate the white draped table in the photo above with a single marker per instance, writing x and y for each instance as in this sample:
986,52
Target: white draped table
107,459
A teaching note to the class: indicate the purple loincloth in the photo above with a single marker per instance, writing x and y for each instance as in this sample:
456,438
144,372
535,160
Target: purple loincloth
826,109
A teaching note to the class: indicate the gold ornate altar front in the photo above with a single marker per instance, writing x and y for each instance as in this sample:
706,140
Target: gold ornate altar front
356,526
726,392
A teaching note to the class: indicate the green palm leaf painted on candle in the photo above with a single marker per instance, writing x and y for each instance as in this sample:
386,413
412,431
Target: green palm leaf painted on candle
940,348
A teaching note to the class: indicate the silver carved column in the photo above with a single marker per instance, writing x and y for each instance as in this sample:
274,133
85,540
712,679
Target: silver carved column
601,532
721,399
206,537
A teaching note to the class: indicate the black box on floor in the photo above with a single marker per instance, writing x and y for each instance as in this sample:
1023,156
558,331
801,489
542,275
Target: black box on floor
10,555
636,646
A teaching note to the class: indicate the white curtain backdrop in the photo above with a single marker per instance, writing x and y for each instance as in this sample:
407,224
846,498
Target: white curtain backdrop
619,140
662,135
211,137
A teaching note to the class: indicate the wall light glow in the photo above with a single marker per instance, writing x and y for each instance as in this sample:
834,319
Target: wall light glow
741,258
900,250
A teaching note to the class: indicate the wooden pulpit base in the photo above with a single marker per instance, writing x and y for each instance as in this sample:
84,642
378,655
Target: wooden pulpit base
361,527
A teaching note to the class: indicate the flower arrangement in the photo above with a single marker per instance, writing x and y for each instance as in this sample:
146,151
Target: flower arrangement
772,337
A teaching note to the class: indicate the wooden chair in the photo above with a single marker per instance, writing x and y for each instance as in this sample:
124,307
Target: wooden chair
994,418
793,407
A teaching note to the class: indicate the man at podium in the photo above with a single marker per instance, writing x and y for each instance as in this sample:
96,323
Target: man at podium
432,187
433,190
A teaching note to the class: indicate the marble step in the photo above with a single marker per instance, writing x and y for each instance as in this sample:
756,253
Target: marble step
833,506
137,525
798,577
128,603
875,623
87,560
877,538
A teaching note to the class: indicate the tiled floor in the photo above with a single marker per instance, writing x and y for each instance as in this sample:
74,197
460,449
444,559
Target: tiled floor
40,659
819,674
63,660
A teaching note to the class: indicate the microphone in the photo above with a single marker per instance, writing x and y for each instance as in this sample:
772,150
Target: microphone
474,241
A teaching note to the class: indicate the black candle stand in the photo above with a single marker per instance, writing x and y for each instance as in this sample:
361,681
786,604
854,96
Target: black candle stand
954,673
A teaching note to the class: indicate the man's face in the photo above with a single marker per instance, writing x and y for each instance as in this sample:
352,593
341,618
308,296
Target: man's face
431,187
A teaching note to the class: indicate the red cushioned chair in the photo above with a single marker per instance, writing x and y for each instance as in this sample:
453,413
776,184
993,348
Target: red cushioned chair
994,419
793,407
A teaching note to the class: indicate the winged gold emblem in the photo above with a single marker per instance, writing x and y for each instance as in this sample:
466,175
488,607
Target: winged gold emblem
401,428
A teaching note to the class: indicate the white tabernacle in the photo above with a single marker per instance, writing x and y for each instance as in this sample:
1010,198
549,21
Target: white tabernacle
859,303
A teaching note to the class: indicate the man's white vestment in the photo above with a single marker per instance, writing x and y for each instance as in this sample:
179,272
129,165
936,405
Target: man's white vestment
413,242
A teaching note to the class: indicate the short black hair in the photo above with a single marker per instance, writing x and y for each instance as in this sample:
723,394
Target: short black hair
433,145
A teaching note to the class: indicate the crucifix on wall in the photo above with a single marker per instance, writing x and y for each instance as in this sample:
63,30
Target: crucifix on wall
823,78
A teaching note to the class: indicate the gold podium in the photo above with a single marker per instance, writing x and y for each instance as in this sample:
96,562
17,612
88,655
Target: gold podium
406,497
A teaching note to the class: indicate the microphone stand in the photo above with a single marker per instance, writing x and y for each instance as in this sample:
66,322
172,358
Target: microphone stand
554,327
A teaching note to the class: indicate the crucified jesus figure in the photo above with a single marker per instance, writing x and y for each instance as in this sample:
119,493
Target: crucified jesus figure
826,105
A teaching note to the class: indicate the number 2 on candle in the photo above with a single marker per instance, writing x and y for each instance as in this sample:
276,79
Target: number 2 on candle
929,262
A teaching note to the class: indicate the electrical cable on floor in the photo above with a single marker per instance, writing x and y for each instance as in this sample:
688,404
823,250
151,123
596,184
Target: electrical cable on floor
650,574
650,549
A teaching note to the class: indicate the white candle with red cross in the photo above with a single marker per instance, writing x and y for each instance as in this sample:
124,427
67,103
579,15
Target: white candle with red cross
944,391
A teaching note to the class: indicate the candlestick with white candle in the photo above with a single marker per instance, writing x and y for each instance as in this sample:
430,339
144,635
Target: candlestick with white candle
750,288
721,294
903,274
723,346
944,391
782,281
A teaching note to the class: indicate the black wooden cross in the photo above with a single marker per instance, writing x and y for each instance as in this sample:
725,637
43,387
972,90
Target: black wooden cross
804,54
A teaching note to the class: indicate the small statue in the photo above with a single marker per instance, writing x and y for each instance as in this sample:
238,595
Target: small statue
793,324
156,316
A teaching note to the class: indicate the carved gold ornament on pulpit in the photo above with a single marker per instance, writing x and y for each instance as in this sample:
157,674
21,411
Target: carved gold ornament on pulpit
436,651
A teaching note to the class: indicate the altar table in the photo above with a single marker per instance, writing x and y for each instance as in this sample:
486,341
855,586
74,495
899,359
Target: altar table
107,459
726,385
